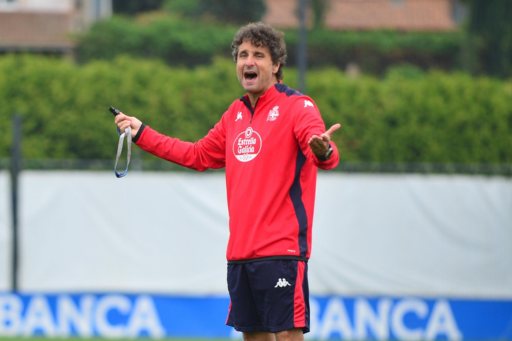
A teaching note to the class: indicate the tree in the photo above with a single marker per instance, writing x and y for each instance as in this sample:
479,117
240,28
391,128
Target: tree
133,7
319,8
186,8
490,34
234,11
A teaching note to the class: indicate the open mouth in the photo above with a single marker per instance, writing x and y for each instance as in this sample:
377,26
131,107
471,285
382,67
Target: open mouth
250,75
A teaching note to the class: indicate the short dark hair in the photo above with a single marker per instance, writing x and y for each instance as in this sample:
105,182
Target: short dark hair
260,34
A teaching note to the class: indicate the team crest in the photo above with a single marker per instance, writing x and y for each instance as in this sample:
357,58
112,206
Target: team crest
247,145
272,115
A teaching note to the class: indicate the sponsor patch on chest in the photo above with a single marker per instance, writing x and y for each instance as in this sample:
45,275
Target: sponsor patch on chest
247,145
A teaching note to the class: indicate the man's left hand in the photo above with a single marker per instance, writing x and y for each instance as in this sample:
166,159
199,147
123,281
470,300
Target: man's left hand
320,144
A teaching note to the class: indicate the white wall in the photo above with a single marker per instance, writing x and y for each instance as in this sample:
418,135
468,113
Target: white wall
156,232
37,5
167,232
413,234
92,10
5,231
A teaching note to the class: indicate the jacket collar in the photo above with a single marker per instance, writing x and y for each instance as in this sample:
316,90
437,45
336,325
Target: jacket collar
269,95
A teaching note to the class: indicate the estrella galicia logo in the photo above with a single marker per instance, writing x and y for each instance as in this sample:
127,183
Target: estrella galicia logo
247,145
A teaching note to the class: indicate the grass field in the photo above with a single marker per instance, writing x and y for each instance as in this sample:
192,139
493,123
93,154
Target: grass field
97,339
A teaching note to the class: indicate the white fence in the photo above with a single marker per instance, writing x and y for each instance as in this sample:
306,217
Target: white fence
167,233
5,235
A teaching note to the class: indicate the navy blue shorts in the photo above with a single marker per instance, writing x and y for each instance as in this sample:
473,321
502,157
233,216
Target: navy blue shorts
269,296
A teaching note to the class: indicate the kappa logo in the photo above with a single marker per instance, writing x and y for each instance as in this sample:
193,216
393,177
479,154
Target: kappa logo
272,115
282,282
308,104
239,116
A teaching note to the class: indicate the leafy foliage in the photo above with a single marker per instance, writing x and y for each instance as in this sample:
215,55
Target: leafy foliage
185,8
155,36
181,41
490,34
408,116
234,11
133,7
319,8
375,51
437,118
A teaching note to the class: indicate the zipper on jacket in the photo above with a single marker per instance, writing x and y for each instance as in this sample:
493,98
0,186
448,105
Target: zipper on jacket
248,106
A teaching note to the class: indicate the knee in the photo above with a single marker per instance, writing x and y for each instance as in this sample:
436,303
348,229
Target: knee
290,335
259,336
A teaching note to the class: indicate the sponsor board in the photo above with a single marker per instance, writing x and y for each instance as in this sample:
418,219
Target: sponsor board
333,317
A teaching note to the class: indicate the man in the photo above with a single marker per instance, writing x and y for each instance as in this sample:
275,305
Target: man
271,142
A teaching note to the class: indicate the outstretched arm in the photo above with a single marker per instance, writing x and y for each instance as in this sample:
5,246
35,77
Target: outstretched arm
208,152
320,144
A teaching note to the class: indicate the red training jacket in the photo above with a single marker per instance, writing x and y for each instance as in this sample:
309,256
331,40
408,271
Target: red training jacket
270,171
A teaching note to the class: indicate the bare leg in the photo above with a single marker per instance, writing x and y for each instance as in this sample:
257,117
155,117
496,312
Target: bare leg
259,336
295,334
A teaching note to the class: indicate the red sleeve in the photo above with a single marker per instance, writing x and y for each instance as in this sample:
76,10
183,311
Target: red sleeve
308,123
209,152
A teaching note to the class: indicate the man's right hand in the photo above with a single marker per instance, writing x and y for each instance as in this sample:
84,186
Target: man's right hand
122,121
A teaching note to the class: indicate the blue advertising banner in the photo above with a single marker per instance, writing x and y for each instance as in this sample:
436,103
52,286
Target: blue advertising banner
333,317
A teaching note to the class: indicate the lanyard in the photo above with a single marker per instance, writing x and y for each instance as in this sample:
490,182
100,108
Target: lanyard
128,133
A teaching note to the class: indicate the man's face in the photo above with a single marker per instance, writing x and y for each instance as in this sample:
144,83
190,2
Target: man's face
254,69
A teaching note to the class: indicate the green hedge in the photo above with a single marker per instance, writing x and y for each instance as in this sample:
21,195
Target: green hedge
65,107
405,117
375,51
183,42
438,118
155,36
